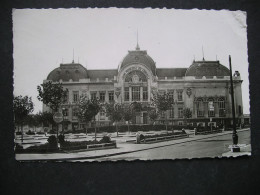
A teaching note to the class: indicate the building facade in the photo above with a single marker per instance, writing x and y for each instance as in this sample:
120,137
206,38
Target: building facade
204,87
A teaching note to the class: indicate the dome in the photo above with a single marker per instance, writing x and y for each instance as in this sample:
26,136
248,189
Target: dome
138,57
67,72
207,68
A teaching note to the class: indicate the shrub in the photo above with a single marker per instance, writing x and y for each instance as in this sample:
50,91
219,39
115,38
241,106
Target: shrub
105,139
18,133
52,141
18,146
165,134
61,138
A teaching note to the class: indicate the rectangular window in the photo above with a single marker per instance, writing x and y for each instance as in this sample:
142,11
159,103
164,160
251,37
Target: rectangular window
75,96
221,105
179,95
102,96
136,93
102,115
180,112
171,94
126,93
66,98
93,95
145,93
172,113
211,112
111,96
180,123
75,112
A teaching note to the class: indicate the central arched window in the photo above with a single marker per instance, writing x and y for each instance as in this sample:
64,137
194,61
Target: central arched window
135,77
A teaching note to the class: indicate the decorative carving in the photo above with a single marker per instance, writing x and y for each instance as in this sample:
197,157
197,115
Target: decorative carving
134,68
189,92
135,78
117,91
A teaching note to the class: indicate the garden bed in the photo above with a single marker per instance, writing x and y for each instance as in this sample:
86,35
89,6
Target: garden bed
85,145
52,147
208,132
147,139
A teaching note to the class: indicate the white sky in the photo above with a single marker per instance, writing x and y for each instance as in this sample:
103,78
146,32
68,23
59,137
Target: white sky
102,37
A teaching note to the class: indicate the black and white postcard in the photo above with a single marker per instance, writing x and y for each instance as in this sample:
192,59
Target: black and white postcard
109,84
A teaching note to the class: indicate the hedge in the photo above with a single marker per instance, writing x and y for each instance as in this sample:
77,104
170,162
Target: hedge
132,128
51,146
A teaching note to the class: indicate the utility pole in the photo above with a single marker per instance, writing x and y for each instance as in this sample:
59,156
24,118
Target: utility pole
234,135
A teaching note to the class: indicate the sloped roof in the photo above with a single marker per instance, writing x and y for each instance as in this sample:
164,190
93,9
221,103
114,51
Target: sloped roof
171,72
68,71
102,73
207,68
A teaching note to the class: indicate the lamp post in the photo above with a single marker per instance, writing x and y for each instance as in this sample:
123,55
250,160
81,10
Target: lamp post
234,135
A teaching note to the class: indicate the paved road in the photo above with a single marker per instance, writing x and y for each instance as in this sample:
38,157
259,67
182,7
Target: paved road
211,147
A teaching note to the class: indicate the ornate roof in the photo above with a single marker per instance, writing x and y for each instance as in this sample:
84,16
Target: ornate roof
171,72
102,74
207,68
138,56
68,71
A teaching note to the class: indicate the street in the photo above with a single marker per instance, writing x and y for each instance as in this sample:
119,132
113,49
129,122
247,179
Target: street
211,147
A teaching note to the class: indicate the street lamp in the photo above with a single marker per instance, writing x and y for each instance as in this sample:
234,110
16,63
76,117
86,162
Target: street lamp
234,135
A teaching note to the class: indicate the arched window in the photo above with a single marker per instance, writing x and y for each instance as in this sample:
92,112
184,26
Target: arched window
200,109
222,107
211,108
135,76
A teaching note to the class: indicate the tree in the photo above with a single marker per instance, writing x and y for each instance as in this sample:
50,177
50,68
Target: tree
187,114
22,106
46,118
88,109
115,112
52,95
128,115
162,102
32,121
153,115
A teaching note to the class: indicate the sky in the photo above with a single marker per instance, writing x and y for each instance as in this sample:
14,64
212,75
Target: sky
100,38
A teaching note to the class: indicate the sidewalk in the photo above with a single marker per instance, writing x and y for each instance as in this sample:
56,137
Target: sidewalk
123,147
244,151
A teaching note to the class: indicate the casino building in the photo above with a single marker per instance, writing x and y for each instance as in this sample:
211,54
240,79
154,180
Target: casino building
204,87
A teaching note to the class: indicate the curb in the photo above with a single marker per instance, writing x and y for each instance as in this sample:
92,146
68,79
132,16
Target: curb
126,152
